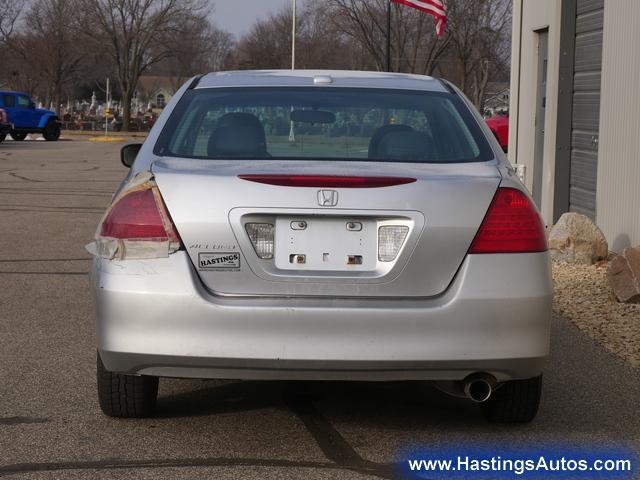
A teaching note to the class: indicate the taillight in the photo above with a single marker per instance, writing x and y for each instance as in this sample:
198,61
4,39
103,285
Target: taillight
136,216
511,225
137,225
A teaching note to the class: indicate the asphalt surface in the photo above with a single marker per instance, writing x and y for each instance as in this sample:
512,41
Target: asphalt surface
51,199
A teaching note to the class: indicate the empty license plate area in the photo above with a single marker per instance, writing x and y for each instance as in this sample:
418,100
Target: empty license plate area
326,244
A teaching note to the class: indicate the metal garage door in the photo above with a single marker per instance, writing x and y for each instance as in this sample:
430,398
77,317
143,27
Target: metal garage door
586,106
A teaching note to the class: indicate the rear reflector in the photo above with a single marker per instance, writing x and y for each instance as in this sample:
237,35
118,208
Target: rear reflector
512,225
328,181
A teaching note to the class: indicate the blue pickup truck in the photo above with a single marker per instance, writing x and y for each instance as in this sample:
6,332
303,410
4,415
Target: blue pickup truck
26,118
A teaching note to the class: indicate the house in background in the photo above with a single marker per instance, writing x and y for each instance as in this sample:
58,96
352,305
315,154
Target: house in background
575,110
496,98
156,90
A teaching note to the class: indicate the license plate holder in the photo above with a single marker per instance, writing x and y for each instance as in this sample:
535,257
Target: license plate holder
326,244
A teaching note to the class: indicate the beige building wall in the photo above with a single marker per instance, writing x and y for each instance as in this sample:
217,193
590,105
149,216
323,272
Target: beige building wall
618,193
530,16
618,182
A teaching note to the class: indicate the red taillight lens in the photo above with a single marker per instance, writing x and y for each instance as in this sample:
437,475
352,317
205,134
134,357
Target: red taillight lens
327,181
139,215
512,225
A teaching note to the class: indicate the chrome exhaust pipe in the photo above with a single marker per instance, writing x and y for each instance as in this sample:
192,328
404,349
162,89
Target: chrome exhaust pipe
478,387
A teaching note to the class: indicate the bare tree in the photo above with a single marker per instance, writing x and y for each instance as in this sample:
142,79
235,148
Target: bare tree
9,13
480,37
363,21
319,44
268,43
473,51
220,44
45,53
47,46
201,48
16,72
136,35
414,46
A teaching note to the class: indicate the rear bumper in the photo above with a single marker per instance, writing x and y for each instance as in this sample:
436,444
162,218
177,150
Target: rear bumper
155,318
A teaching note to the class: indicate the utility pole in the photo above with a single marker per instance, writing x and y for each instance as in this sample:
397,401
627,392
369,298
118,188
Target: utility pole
388,35
106,110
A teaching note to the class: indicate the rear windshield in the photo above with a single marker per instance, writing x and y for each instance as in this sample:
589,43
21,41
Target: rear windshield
323,124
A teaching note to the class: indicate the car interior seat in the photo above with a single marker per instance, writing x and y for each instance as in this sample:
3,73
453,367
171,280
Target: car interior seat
379,134
238,135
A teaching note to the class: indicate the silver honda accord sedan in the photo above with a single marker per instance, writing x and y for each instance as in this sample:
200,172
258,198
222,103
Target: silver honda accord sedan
322,225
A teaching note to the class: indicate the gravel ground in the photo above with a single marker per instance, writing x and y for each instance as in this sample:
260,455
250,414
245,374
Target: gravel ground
582,294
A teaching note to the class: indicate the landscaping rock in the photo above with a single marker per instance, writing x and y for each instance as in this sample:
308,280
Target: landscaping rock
624,275
576,239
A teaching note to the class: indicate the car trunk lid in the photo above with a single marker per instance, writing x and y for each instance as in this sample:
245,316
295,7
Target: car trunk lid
326,236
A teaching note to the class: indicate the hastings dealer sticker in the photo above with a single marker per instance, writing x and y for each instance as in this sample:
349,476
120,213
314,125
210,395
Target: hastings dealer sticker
219,261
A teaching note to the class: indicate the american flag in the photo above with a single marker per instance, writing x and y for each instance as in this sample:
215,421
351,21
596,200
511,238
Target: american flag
436,8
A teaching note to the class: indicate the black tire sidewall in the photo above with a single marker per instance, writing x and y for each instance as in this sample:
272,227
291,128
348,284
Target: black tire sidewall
125,396
516,401
18,137
51,131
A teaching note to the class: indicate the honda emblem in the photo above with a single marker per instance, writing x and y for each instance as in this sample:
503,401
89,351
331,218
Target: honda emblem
327,198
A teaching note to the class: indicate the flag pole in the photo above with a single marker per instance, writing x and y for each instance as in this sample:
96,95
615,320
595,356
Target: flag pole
292,133
388,35
293,38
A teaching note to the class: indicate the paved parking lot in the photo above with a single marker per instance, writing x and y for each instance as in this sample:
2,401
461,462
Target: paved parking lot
51,198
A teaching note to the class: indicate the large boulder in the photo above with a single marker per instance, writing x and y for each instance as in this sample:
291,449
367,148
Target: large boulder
624,275
576,239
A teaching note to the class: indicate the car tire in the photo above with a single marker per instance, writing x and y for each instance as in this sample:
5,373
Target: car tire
2,137
516,401
125,396
51,131
18,136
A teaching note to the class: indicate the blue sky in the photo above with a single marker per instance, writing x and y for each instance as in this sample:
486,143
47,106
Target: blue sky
237,16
